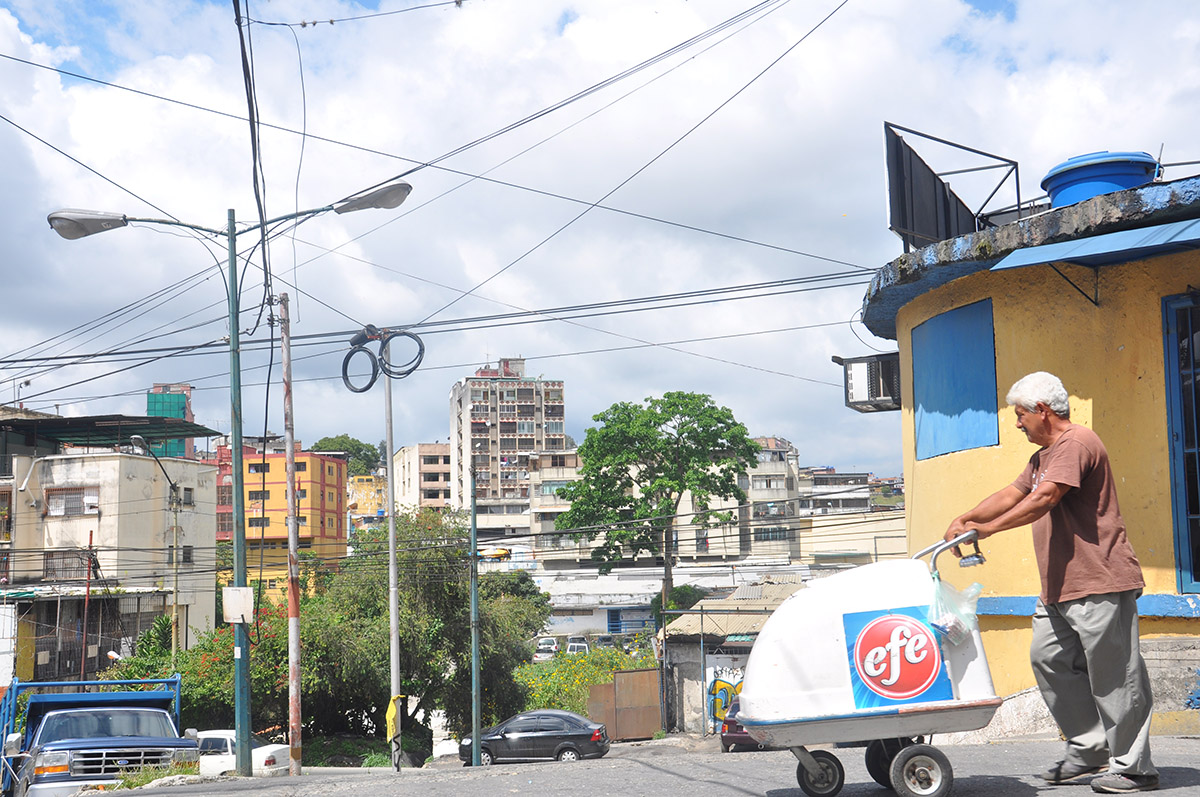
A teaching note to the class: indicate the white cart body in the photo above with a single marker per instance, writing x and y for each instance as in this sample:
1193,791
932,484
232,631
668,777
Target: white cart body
854,658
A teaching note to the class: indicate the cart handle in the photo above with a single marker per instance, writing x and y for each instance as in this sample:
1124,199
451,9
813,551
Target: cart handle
970,536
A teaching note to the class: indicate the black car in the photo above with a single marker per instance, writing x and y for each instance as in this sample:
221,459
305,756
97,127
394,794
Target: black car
543,735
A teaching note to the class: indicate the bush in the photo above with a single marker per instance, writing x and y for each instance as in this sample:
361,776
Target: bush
564,681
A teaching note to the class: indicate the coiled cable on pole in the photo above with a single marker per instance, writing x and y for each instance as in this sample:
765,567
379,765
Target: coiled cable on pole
380,362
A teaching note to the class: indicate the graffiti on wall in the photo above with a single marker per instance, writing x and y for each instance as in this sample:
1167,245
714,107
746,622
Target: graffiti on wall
722,686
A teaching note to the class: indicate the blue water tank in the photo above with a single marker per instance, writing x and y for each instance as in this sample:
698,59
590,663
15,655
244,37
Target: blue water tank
1096,173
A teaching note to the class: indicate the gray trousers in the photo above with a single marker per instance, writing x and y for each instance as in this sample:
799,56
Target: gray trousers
1089,667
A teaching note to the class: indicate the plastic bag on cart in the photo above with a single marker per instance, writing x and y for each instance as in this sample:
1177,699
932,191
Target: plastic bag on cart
952,612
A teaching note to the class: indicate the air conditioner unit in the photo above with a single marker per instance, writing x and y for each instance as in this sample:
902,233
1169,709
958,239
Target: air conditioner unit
873,382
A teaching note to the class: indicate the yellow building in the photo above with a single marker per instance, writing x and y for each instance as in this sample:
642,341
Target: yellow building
1103,294
320,514
367,496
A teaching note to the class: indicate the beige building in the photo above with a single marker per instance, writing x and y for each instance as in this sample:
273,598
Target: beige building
423,476
104,520
499,419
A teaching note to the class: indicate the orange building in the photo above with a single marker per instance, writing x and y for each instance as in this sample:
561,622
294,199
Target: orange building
320,513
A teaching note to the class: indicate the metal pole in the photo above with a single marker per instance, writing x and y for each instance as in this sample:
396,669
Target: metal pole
475,696
289,442
393,575
87,596
703,675
241,633
175,555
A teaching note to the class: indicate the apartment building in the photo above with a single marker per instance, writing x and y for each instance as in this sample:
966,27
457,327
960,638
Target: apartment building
423,475
830,492
500,418
548,472
92,547
320,513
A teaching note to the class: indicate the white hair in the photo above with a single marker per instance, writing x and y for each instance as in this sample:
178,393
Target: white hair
1040,388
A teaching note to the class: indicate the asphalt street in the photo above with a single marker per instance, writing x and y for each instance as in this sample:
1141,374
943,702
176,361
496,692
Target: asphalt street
697,768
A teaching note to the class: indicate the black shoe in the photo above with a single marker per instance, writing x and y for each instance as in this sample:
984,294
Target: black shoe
1066,772
1123,782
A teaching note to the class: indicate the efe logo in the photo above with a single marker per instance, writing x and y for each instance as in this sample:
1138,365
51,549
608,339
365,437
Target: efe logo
897,656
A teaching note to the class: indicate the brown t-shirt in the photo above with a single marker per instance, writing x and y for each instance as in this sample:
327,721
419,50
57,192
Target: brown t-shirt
1080,544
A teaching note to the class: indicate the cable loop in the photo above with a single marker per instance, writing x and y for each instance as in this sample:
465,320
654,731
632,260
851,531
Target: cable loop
380,362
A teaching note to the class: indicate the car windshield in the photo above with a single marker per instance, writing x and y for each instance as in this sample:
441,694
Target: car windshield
90,723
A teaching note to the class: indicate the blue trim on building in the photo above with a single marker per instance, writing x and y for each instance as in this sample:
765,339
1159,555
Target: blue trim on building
1187,606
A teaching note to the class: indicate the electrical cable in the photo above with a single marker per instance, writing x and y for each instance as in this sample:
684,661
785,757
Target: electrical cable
645,166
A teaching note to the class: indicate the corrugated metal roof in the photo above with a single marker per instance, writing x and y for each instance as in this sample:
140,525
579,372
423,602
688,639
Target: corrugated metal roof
731,615
105,430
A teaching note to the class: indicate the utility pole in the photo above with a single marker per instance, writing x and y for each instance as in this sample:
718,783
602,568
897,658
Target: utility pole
175,556
393,573
87,597
293,595
475,696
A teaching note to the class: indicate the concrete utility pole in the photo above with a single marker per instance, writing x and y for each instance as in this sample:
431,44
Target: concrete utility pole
293,595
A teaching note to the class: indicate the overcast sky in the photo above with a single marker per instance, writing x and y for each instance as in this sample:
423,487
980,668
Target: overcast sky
753,154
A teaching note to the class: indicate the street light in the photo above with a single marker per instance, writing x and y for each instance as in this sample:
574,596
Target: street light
140,442
73,224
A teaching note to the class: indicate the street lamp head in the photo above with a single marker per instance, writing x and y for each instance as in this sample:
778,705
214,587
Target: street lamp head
383,198
72,224
139,441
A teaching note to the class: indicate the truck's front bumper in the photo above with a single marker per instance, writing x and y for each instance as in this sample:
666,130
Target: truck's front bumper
65,788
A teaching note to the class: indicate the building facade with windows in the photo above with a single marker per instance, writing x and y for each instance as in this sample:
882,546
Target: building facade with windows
366,500
321,516
423,476
101,523
499,418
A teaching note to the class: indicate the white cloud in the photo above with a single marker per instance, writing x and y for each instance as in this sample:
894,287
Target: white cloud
794,161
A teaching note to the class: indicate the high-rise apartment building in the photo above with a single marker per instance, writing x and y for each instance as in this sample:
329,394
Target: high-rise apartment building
499,418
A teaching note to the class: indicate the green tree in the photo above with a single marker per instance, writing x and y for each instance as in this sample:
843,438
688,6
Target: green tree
363,457
511,610
344,628
639,463
684,596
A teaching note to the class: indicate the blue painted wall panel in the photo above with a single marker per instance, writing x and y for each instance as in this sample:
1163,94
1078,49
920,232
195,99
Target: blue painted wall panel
954,381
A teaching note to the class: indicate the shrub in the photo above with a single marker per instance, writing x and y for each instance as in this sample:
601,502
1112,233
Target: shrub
564,681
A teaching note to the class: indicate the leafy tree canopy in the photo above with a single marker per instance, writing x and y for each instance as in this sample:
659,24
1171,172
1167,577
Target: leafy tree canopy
638,464
345,678
684,596
364,457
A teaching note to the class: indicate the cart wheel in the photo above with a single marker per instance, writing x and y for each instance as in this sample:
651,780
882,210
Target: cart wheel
829,782
921,771
880,754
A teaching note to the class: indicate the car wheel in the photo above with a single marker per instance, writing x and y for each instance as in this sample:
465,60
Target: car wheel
485,758
568,755
725,747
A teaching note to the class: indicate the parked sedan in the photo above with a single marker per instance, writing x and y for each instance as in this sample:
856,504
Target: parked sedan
542,735
218,755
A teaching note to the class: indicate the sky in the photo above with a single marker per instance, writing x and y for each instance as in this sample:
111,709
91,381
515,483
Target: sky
562,153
